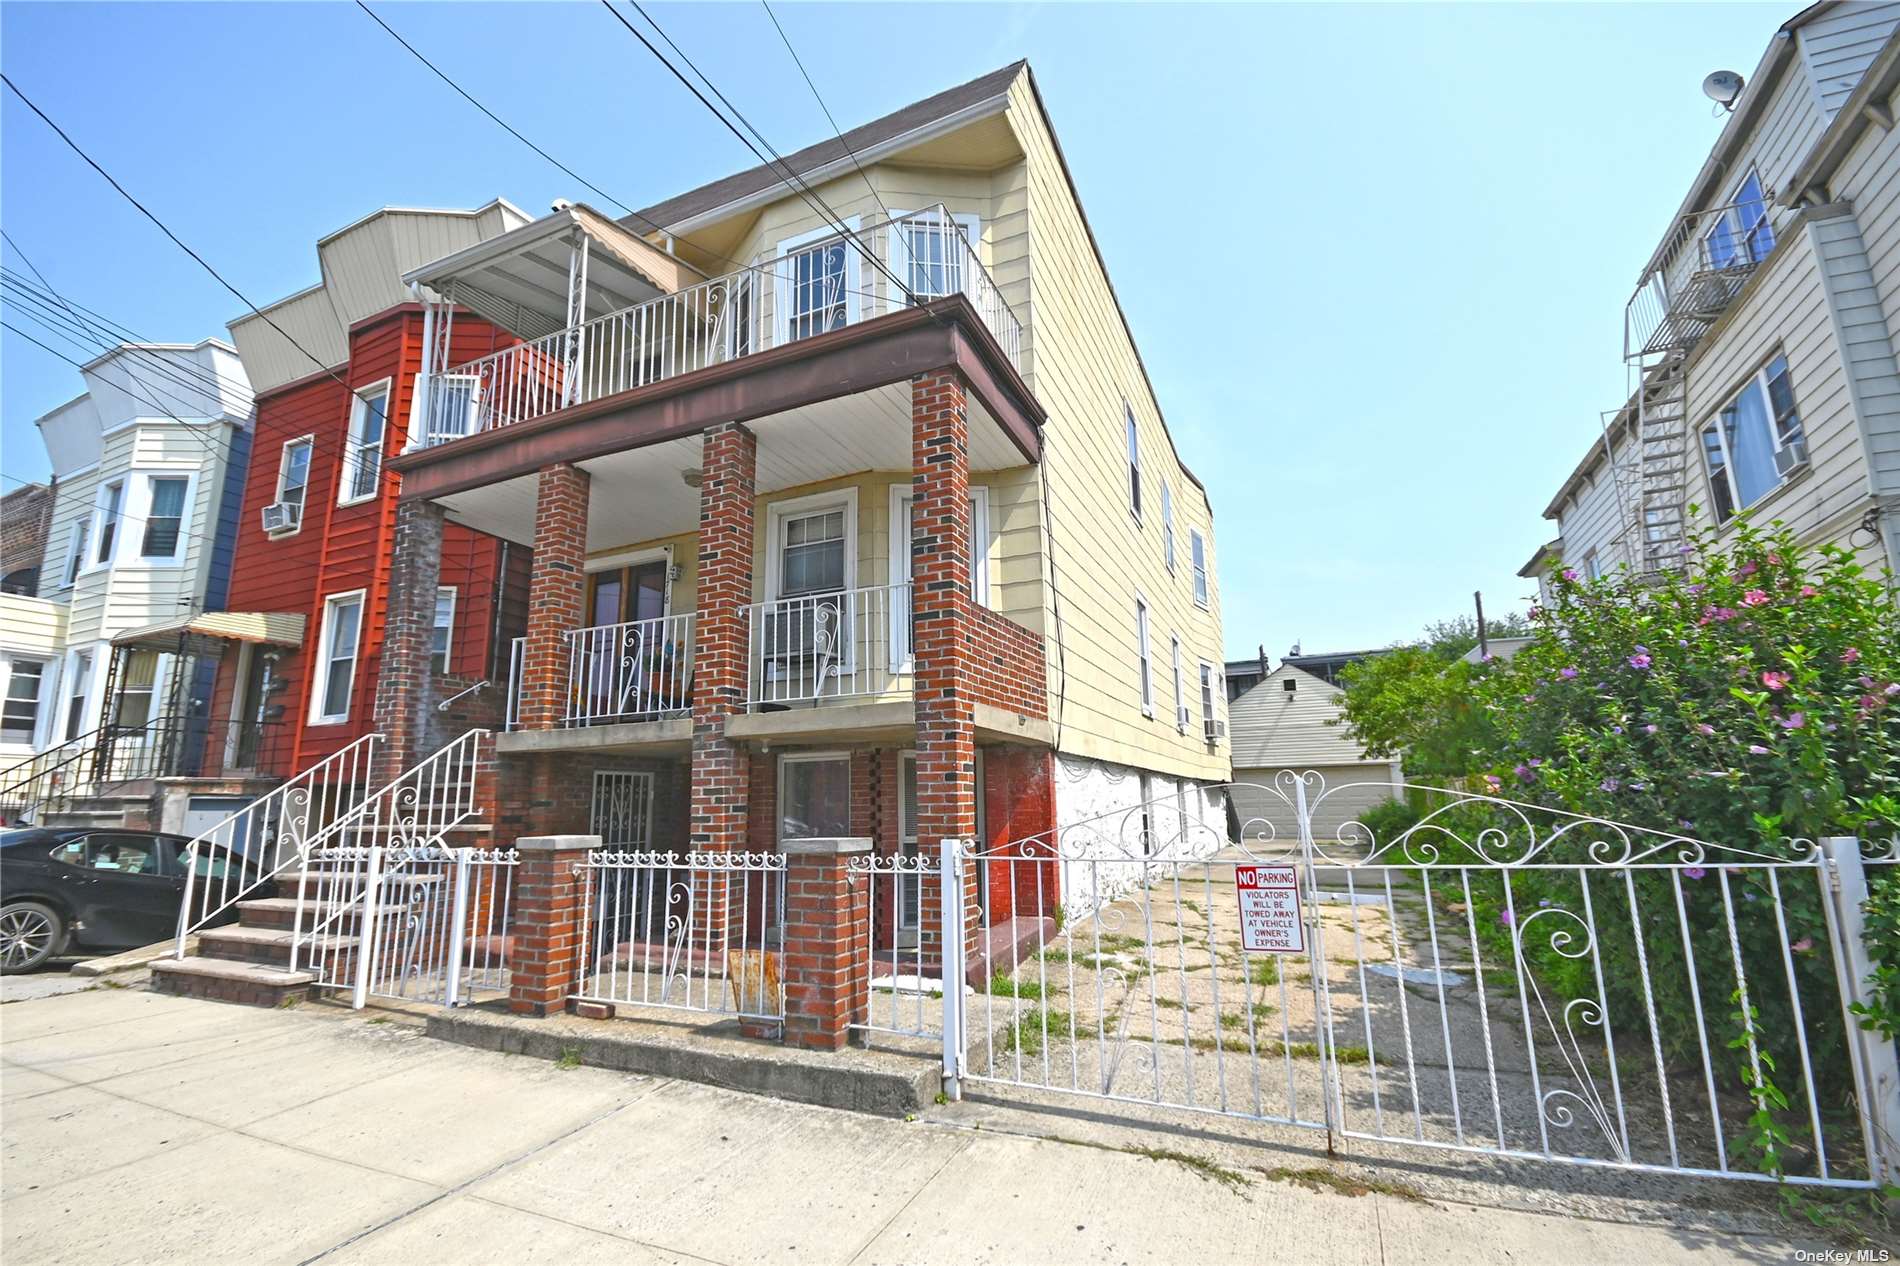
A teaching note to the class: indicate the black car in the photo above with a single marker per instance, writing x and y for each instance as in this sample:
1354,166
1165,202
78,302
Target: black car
89,888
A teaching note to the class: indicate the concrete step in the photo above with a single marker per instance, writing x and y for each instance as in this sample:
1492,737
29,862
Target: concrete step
221,979
267,946
281,912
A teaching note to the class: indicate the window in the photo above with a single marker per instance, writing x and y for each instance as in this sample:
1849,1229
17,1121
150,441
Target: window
909,887
1141,652
164,517
927,254
1180,696
336,658
1755,442
1197,555
76,552
1167,526
812,553
444,624
137,682
76,699
123,854
1591,567
363,456
293,482
111,502
1134,461
1741,234
1207,701
20,716
814,796
816,285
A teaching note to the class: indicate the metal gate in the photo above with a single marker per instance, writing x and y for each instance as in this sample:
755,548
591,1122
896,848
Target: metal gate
1498,978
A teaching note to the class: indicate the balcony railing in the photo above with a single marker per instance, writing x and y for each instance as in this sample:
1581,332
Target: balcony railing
840,645
638,671
1711,255
812,290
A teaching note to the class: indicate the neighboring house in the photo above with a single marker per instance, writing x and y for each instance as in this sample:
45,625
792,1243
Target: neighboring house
148,465
1764,326
1243,675
1327,667
315,533
26,515
819,550
1289,725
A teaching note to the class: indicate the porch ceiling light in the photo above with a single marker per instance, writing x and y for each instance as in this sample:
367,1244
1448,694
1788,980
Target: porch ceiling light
692,476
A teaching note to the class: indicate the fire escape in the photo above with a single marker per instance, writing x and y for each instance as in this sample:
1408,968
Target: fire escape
1697,275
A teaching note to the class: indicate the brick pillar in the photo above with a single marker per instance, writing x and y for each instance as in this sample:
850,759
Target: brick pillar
727,495
557,594
827,909
545,959
404,698
941,620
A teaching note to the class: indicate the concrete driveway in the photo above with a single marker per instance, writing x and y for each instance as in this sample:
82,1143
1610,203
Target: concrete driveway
141,1128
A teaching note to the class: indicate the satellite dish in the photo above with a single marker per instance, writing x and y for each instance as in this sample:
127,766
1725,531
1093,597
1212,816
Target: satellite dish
1723,87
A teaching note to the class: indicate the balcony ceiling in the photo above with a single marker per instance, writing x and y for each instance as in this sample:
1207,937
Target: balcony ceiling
640,495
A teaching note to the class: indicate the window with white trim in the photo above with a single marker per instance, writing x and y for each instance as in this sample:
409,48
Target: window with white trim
1167,526
1741,234
363,455
811,555
1143,657
111,505
814,795
1591,566
1755,443
20,714
76,550
293,481
1134,461
1180,695
928,255
164,538
1197,556
909,886
1207,701
441,630
76,695
336,658
138,683
815,285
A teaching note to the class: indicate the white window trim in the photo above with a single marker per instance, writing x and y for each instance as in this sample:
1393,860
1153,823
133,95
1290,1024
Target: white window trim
1202,574
448,650
82,685
49,673
96,561
283,464
78,545
803,758
908,932
1211,698
1731,217
346,476
817,503
1144,655
1759,380
142,502
983,540
782,289
1180,699
1167,525
1131,441
320,668
971,225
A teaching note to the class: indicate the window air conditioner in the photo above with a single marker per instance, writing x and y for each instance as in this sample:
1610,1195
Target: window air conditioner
1216,729
1181,717
1791,457
281,516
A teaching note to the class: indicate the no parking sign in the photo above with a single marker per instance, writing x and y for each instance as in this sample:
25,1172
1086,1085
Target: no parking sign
1270,917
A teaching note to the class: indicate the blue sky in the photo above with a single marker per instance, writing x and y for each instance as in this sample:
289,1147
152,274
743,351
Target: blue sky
1375,257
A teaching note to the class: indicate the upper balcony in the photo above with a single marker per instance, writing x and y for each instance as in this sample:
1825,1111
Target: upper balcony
1699,272
808,290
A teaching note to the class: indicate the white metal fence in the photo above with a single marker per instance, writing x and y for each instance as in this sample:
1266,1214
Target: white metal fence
1499,979
823,287
638,670
683,931
845,644
899,951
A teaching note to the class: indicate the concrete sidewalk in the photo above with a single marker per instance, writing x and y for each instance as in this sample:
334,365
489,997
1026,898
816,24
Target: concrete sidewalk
141,1128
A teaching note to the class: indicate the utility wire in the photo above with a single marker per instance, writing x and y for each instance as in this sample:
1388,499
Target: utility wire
163,227
819,98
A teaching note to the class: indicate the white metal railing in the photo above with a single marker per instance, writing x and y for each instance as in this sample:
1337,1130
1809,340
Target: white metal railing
847,644
637,670
899,947
1710,255
684,931
516,650
415,810
813,290
232,859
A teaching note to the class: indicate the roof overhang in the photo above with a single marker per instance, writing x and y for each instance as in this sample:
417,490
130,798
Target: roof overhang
1538,561
943,333
1866,108
267,628
519,279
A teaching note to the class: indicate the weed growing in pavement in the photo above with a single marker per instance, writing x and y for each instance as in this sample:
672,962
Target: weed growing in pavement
1265,971
1315,1178
1026,1035
570,1057
1003,985
1857,1219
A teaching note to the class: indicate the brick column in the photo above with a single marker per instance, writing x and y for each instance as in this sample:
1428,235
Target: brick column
721,653
545,960
941,620
827,910
403,703
557,594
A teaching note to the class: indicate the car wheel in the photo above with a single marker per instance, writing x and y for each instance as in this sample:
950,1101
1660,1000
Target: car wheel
30,934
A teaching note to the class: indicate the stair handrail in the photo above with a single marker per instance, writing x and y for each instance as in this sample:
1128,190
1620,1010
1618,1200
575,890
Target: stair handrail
74,751
452,767
275,829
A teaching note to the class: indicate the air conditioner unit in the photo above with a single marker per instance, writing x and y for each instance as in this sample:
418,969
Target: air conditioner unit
1791,457
1181,717
281,516
1216,729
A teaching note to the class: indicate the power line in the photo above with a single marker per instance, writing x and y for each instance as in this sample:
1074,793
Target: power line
163,228
819,98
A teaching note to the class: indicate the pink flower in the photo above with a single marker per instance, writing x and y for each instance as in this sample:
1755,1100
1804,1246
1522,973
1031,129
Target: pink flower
1803,945
1705,729
1649,729
1567,674
1747,569
1775,681
1756,749
1694,872
1794,720
1506,918
1755,598
1850,655
1808,591
1639,661
1570,573
1495,783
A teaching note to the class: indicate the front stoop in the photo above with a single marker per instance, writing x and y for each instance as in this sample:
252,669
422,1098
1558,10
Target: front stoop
225,980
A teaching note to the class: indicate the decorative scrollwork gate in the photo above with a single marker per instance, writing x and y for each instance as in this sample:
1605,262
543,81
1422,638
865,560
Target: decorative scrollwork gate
1494,978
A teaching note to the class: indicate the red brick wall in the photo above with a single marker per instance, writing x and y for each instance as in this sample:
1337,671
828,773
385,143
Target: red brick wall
1019,817
557,593
720,778
940,571
1007,666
